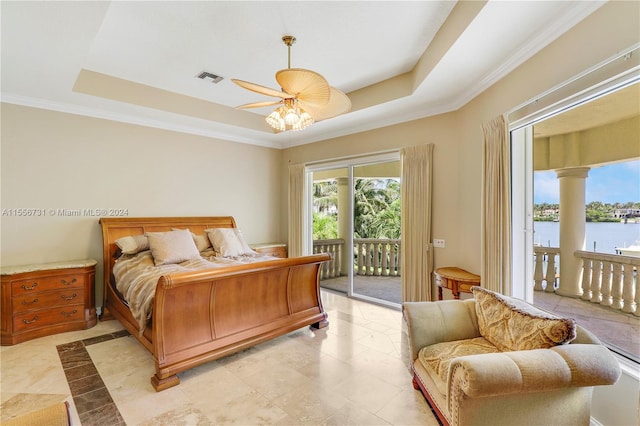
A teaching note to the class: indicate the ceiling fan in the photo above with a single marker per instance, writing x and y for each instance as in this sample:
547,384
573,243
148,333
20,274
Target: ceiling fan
305,97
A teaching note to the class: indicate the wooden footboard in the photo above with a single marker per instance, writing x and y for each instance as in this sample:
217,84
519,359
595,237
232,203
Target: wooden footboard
205,315
199,319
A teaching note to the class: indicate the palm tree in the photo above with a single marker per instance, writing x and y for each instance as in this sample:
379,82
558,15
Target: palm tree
386,224
325,196
376,208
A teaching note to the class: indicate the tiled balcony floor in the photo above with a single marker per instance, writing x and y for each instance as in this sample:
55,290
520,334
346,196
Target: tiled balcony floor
611,326
384,288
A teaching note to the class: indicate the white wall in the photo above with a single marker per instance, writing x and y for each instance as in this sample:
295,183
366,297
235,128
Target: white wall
619,404
54,161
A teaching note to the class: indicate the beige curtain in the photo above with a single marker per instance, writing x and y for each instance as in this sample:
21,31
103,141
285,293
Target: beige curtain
297,192
496,206
417,253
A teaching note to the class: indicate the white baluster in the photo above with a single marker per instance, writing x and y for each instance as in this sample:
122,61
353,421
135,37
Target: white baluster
586,279
375,256
385,260
628,304
596,282
537,273
616,292
636,283
550,276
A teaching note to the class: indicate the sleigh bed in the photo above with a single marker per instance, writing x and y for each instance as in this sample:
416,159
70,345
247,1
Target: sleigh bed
201,315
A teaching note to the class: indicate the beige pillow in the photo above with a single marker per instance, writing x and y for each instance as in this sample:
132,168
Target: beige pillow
133,244
226,241
512,324
202,242
172,246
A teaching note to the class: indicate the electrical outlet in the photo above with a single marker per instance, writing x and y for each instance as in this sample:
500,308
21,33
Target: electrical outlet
438,243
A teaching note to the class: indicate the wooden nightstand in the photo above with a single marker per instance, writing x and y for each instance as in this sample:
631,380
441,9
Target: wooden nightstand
46,298
272,249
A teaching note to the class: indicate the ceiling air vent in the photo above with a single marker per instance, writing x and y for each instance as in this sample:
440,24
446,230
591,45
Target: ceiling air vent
204,75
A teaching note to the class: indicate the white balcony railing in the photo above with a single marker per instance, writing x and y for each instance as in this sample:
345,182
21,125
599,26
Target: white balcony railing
330,269
610,280
546,268
377,257
373,257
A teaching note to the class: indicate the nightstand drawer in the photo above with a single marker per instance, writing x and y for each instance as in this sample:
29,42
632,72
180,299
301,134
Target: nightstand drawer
48,299
466,287
48,317
30,286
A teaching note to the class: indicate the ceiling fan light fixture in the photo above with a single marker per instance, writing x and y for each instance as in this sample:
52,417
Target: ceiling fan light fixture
305,120
300,89
276,121
289,117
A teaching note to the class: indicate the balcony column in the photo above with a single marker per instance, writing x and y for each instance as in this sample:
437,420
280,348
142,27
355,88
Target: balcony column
343,221
572,228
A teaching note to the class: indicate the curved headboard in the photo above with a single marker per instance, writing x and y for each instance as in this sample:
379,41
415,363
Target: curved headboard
118,227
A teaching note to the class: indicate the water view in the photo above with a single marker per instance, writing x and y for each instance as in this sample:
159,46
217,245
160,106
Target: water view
605,235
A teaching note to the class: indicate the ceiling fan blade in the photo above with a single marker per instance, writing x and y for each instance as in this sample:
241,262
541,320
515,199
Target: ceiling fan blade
306,85
259,104
260,89
339,103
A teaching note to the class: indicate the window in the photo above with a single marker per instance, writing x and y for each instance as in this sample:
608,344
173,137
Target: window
548,117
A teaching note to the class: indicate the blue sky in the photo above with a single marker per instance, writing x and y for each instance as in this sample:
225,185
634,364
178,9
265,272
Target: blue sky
613,183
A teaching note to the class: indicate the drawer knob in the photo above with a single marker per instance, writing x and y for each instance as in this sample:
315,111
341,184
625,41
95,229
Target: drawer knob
24,287
26,321
65,282
73,296
24,302
69,314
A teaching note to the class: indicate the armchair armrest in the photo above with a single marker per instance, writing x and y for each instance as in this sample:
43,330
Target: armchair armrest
530,371
442,321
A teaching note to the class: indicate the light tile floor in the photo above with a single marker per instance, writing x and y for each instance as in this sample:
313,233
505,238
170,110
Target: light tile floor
356,371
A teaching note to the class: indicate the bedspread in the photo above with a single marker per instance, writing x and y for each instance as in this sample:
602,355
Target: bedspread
136,277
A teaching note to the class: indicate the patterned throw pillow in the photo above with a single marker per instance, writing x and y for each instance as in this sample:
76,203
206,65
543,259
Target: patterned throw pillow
512,325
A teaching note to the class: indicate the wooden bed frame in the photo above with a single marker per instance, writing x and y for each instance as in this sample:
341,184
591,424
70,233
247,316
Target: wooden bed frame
205,315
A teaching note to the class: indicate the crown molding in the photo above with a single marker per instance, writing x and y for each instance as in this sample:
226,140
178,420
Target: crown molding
11,98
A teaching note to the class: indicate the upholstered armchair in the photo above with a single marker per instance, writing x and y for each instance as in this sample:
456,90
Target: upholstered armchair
496,360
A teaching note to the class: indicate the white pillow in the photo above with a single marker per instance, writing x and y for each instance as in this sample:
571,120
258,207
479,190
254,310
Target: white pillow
202,242
172,247
133,244
226,242
245,246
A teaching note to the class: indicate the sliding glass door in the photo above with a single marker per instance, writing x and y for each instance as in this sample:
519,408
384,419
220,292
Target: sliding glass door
356,219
